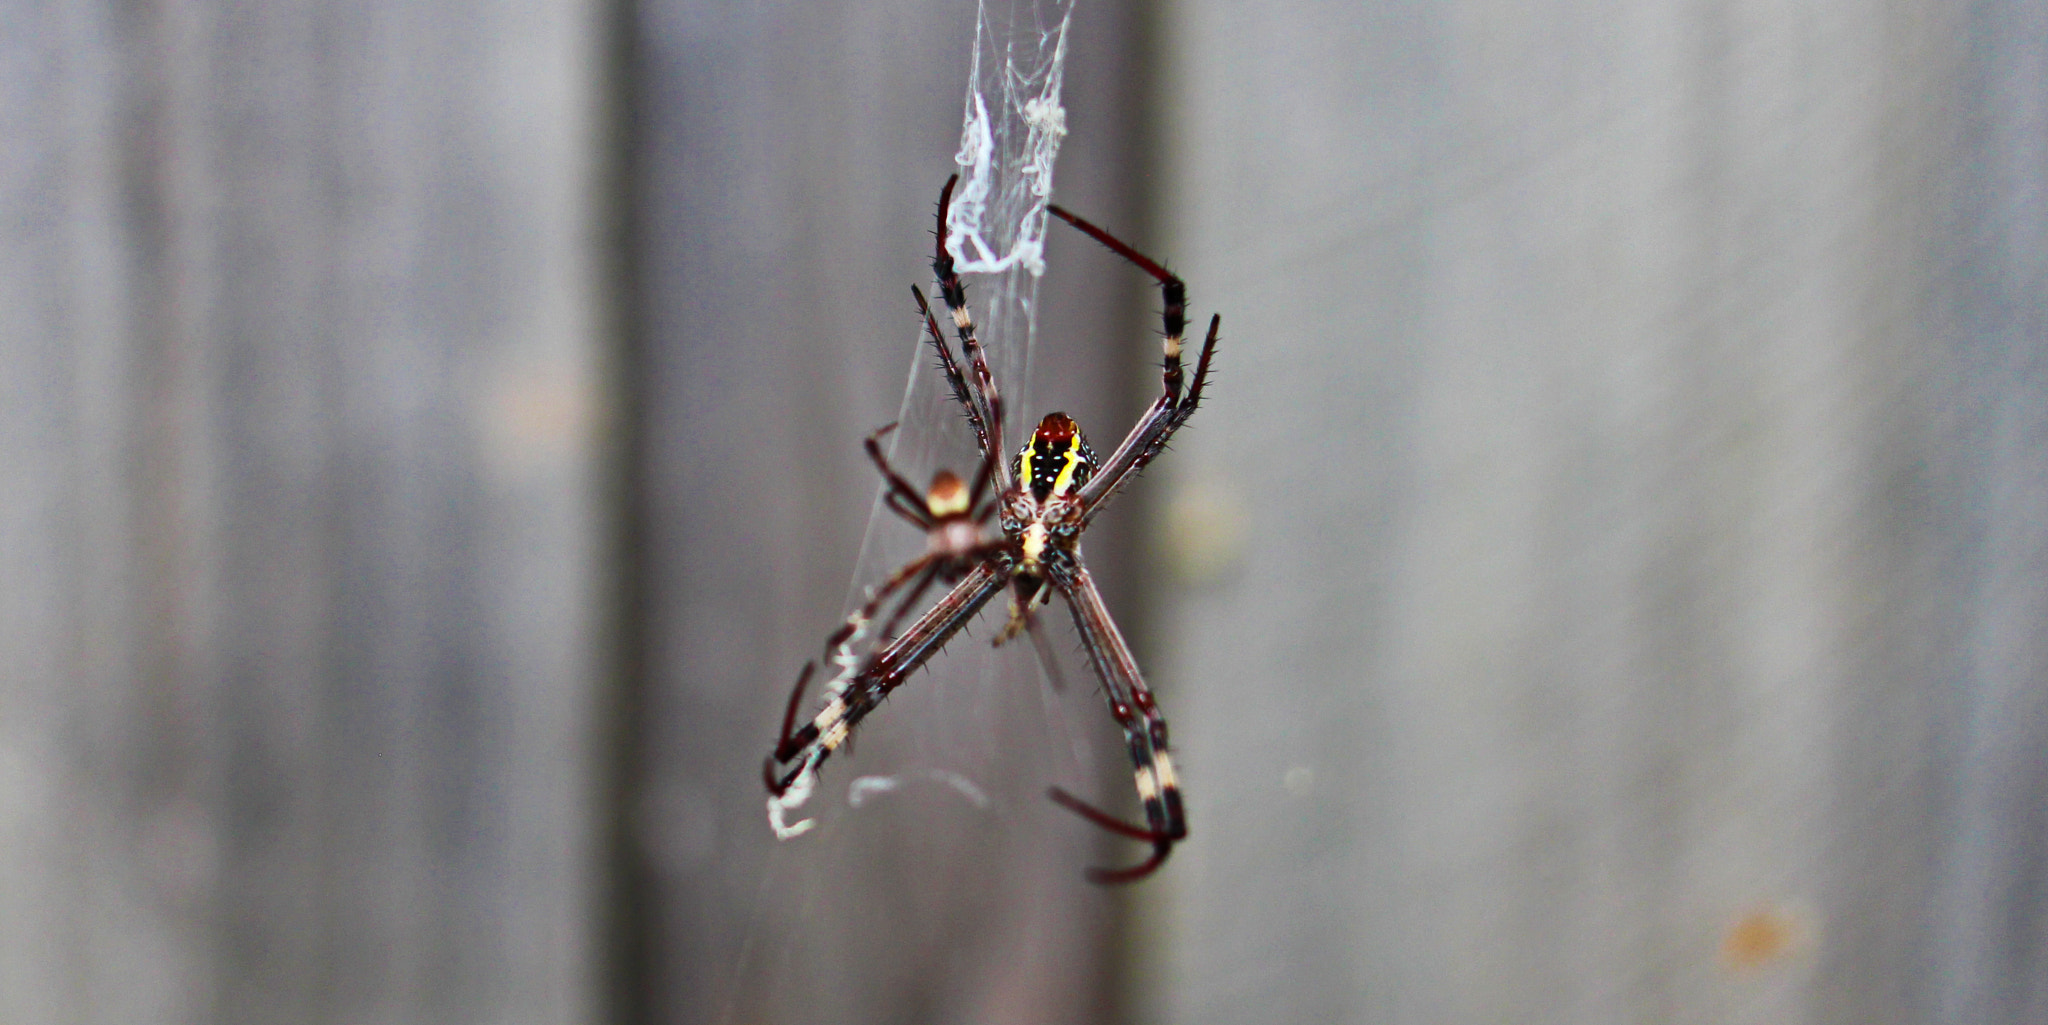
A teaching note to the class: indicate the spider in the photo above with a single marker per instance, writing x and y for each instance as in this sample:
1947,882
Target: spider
1047,496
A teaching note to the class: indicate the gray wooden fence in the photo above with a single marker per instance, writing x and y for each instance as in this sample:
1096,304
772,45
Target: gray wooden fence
1608,582
304,396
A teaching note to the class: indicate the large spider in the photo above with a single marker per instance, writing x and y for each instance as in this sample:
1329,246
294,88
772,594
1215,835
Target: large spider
1046,498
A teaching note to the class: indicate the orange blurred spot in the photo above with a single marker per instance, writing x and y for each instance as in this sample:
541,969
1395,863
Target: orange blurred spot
1758,938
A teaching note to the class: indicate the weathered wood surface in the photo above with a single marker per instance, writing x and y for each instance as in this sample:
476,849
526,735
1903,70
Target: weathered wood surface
301,543
1607,582
1611,572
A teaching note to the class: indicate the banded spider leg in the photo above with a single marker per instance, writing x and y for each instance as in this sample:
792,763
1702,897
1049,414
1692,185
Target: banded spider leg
1046,498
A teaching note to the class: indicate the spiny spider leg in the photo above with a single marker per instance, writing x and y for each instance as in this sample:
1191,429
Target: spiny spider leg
954,292
969,399
1148,437
840,647
1171,288
862,690
1130,702
1158,436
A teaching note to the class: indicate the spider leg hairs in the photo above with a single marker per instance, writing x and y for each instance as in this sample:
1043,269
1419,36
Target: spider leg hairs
1043,501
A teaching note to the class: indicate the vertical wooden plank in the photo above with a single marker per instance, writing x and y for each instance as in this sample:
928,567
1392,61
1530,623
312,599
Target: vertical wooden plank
1992,940
1564,588
303,528
790,156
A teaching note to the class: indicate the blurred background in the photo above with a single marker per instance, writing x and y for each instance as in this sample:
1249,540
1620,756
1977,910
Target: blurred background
1607,583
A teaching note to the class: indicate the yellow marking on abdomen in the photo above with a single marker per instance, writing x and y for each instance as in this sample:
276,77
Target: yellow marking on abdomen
1065,480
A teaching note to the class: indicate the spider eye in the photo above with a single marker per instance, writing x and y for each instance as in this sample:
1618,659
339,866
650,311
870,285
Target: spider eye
1058,460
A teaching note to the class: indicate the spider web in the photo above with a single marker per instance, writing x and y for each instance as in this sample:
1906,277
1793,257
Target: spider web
1012,125
1010,134
933,838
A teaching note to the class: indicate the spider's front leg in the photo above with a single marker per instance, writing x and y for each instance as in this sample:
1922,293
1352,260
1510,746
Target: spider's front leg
954,291
1149,436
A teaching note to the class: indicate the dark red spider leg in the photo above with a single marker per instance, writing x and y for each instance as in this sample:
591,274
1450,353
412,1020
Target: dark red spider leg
793,743
954,292
1170,410
917,515
1131,704
796,698
982,475
898,487
864,615
1171,289
888,668
1148,438
1161,846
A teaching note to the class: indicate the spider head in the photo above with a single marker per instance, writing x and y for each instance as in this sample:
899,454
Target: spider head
1057,460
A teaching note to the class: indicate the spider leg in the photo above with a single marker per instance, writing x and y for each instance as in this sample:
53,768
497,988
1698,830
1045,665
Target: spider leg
933,565
862,683
1022,604
1149,436
1131,704
969,400
796,697
903,499
1171,288
954,292
857,621
1161,844
982,475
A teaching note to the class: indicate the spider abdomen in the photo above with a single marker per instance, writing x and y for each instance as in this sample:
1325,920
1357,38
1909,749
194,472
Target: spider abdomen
1057,459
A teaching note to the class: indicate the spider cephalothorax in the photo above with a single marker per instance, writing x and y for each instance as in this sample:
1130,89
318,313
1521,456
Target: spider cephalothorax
1045,499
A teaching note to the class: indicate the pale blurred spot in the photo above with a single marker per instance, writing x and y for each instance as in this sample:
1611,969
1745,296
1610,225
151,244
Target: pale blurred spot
537,417
864,788
964,786
1299,780
1206,526
1763,936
